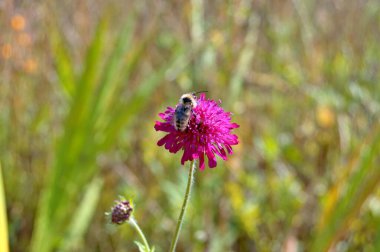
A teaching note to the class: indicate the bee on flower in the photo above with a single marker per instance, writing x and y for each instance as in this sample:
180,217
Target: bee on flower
199,127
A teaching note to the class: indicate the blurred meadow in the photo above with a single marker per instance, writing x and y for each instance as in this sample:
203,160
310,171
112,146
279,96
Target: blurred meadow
82,83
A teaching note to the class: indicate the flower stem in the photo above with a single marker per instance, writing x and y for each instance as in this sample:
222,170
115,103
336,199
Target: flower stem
140,232
184,206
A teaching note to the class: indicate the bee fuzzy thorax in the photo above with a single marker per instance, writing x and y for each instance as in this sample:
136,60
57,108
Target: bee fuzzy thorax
188,99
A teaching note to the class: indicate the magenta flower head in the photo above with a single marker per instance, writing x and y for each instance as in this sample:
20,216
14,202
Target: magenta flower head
121,212
199,127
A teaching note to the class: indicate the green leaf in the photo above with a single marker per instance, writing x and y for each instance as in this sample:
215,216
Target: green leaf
3,217
141,247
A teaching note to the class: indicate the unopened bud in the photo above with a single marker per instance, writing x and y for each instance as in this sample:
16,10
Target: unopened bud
121,212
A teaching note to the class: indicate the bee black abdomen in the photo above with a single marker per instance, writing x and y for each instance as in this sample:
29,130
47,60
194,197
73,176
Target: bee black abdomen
181,116
178,125
181,123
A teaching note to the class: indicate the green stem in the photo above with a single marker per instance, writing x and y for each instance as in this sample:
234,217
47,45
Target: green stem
140,232
184,206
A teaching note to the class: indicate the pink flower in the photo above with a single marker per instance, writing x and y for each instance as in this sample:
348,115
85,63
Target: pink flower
208,133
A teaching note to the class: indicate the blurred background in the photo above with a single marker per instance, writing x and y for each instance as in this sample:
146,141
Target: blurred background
82,82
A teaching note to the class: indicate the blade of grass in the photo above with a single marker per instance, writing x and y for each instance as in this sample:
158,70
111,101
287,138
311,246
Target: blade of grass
71,148
128,66
360,185
123,114
306,24
4,246
63,62
113,70
377,240
77,149
197,23
83,215
245,60
88,80
71,156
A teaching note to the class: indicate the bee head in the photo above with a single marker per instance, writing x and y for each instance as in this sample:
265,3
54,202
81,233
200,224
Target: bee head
188,99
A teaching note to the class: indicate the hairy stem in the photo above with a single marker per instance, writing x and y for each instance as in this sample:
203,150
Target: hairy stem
140,232
184,206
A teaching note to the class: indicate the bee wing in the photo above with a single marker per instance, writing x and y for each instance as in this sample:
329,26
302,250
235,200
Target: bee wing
172,121
175,115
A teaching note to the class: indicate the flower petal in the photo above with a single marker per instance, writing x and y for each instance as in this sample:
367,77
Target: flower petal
163,140
202,162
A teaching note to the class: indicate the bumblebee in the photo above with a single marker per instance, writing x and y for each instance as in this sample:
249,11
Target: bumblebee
184,110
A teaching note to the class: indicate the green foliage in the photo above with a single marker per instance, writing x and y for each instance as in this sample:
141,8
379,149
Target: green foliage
354,192
89,125
142,248
79,95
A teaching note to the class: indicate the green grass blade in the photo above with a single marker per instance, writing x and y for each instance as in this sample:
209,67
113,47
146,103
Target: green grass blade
245,60
135,53
377,241
72,159
77,149
110,80
130,62
126,111
362,183
4,246
83,215
63,62
197,22
88,81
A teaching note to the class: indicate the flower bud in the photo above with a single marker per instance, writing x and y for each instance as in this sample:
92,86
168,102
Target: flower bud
121,212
